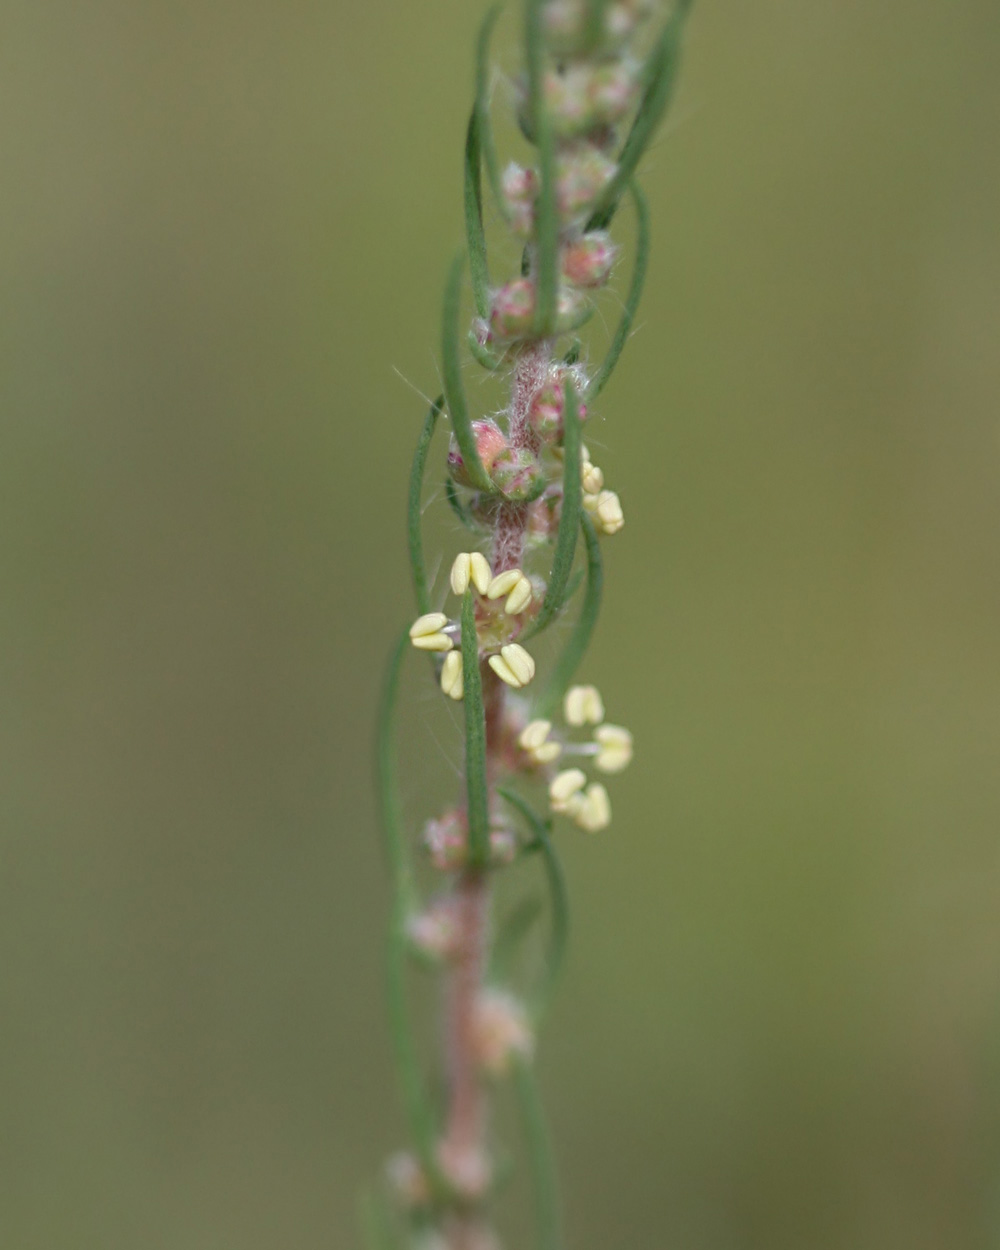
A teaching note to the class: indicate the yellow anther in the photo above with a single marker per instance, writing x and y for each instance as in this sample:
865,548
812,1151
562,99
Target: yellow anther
452,680
513,665
565,787
534,738
534,734
503,583
426,635
460,571
593,478
616,748
608,512
519,597
547,752
470,566
594,813
583,706
480,571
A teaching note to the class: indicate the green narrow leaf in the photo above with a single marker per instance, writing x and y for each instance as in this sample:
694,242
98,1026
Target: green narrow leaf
546,266
579,640
454,391
486,142
569,520
474,235
477,811
410,1076
660,74
413,517
600,378
543,1173
451,494
482,354
558,896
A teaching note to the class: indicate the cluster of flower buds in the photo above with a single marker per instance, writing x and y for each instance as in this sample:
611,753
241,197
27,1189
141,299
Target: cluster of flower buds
545,415
514,471
610,750
570,30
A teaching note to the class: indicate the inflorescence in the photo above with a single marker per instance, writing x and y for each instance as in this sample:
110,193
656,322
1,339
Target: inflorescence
597,78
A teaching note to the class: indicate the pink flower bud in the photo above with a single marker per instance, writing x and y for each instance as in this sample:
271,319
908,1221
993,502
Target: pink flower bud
434,932
568,100
587,260
546,412
517,474
612,90
501,1031
582,175
446,840
513,310
490,442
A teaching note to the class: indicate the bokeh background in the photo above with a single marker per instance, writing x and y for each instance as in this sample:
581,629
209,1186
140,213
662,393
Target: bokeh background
225,229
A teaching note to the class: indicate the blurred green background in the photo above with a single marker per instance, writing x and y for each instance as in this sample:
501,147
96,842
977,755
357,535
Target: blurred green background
224,227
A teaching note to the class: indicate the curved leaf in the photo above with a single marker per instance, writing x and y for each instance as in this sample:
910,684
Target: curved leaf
660,73
486,143
475,237
543,1173
600,378
414,528
415,1097
451,368
546,260
558,894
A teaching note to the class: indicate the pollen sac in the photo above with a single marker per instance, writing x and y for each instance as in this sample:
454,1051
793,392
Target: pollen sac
452,677
513,665
587,261
606,510
615,743
594,812
427,633
583,705
490,442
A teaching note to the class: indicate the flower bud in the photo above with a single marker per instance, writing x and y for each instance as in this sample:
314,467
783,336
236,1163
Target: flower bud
582,174
490,442
446,840
500,1031
435,931
408,1181
587,260
517,474
545,416
513,310
612,91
